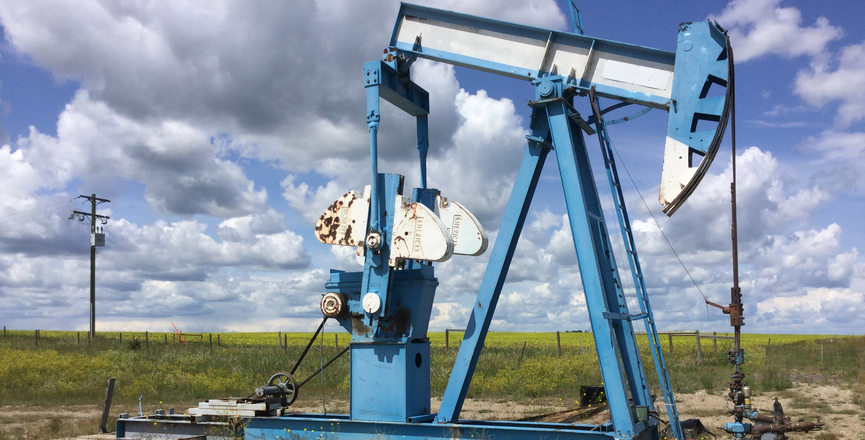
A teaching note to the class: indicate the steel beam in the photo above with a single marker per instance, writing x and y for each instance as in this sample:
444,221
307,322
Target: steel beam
494,278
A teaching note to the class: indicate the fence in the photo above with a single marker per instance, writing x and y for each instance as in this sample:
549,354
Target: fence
560,342
282,339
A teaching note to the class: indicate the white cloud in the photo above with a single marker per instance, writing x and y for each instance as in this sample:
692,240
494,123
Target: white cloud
178,98
180,167
489,133
846,83
761,27
842,309
840,160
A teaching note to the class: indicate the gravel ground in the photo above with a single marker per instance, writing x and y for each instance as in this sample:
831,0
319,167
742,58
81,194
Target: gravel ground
832,403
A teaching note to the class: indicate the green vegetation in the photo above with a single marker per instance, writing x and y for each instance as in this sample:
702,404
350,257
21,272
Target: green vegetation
61,370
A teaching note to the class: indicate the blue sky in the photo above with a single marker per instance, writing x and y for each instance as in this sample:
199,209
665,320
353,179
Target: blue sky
220,134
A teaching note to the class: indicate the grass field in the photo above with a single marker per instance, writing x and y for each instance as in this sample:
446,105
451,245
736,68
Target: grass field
63,370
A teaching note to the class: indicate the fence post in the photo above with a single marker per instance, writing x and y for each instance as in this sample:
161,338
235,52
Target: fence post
670,335
79,337
218,344
715,343
336,340
210,337
831,343
285,345
521,354
36,337
279,339
121,338
447,337
4,332
166,338
146,339
699,350
582,350
108,394
559,343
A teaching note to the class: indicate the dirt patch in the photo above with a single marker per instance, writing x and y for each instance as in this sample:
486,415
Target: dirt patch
20,417
836,405
832,404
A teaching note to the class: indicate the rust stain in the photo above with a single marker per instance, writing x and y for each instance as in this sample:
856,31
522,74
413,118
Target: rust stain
357,325
327,227
402,321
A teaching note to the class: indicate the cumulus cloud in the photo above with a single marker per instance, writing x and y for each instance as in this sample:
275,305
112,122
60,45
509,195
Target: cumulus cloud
817,308
846,83
176,99
762,27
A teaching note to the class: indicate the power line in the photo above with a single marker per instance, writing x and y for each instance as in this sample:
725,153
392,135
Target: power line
17,216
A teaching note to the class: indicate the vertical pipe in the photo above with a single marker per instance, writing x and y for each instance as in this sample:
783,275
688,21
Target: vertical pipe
736,293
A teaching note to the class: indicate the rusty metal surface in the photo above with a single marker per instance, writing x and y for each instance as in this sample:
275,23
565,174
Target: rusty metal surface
344,222
778,424
418,234
333,304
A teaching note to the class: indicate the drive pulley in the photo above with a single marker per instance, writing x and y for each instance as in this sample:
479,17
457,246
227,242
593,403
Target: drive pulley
282,385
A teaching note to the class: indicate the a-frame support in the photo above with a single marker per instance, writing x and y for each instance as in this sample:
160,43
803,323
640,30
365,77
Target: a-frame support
556,125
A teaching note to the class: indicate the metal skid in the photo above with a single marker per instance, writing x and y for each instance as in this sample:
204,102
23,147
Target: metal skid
387,306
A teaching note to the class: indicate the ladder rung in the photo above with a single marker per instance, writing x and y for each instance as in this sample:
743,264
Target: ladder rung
625,316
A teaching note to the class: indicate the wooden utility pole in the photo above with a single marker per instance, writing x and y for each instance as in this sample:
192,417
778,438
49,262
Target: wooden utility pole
97,238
